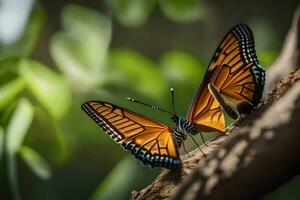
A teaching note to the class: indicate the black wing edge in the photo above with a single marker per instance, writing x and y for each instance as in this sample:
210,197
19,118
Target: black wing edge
152,160
102,122
246,39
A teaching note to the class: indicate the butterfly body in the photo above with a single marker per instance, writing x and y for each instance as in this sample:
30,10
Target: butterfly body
179,136
186,126
183,128
233,83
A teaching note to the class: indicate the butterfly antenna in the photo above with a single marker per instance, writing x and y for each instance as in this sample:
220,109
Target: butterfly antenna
148,105
173,101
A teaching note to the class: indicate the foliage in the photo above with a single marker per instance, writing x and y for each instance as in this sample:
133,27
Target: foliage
135,12
131,12
80,49
182,10
15,135
29,38
125,172
41,123
125,64
35,162
47,87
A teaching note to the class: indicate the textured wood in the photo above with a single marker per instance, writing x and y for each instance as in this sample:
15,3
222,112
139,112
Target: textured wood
164,186
259,152
260,155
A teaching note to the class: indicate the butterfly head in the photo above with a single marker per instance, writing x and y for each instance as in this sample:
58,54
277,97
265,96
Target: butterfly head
175,119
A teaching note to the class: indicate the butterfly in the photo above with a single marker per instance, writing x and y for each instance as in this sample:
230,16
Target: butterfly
233,83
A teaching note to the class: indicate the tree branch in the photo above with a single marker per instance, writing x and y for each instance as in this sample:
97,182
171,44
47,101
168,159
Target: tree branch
257,157
261,151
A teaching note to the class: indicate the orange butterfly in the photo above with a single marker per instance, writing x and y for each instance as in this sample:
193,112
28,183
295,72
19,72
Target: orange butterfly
233,82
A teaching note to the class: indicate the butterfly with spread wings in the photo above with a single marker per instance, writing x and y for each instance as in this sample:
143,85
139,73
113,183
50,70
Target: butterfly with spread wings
233,83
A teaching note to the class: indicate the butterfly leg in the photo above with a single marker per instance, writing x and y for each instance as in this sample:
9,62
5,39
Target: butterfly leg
198,146
203,139
185,149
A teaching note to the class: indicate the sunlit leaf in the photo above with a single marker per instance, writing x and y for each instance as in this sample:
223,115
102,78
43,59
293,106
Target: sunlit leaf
126,176
27,41
182,10
80,50
35,162
15,134
182,67
138,72
10,90
48,87
91,29
18,126
132,12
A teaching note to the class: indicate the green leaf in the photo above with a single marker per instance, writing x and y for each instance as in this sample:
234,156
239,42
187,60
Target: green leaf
47,87
1,143
8,65
126,176
137,72
80,50
131,12
55,142
18,126
35,162
181,67
185,73
15,134
266,58
10,90
182,10
27,42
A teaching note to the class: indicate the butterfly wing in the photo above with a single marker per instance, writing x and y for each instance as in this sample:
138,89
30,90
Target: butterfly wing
235,71
149,141
240,79
205,112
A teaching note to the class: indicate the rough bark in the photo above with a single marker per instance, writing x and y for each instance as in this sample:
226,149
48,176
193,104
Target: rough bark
257,157
258,153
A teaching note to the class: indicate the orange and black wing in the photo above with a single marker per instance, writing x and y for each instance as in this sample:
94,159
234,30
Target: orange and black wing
149,141
240,79
235,71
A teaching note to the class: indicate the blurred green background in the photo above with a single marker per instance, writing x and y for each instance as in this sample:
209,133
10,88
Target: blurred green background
55,55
